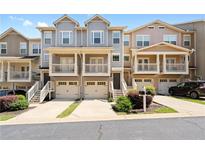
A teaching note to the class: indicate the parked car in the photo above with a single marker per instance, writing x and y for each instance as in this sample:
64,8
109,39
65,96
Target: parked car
17,92
194,89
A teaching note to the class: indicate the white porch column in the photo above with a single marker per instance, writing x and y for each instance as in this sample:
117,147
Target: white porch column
2,71
109,64
187,64
76,71
50,63
83,69
158,64
164,63
8,71
135,64
30,71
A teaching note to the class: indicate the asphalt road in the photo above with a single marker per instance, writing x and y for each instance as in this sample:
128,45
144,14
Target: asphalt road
174,128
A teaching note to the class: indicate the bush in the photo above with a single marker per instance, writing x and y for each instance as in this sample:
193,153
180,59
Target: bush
110,99
137,100
123,104
6,101
150,90
21,97
19,105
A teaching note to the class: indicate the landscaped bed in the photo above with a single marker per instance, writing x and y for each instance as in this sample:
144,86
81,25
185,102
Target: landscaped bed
199,101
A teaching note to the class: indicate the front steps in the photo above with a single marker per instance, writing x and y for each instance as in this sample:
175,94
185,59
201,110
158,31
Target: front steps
117,93
36,97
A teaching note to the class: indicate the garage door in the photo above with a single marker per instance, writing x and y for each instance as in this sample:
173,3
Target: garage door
67,89
164,84
143,82
96,89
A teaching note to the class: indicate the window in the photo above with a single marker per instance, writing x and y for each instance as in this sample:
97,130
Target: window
115,57
23,48
67,37
116,37
47,37
36,48
150,27
61,83
187,40
126,40
147,80
142,40
73,83
138,80
46,57
89,83
97,37
170,60
161,27
170,39
101,83
126,58
3,48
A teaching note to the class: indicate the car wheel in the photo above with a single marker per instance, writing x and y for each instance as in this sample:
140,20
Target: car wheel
194,95
171,92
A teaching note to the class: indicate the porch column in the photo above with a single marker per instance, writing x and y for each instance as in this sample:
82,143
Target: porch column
2,71
76,64
50,63
83,69
158,64
164,63
109,65
30,71
8,71
187,64
135,63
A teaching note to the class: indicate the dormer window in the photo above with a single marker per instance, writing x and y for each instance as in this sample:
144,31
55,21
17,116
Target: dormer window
67,37
3,48
161,27
150,27
47,37
97,37
187,40
23,48
116,37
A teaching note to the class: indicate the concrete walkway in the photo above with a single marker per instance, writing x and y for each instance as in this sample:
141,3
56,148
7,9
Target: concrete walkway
183,107
93,109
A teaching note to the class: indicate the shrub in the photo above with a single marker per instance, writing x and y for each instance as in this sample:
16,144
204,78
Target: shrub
21,97
150,90
5,102
19,105
123,104
110,99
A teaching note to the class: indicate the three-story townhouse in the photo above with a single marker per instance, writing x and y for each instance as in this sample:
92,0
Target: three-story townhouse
158,54
19,60
81,62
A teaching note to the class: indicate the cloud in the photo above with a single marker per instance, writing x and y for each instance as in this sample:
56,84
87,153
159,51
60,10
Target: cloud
42,24
27,23
16,18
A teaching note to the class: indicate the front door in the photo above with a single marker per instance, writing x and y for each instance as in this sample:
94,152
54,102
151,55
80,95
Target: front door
116,80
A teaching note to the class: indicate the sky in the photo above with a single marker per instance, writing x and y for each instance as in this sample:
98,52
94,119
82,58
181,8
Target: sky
26,23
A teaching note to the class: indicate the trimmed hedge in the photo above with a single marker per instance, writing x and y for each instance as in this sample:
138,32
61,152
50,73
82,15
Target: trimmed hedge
123,104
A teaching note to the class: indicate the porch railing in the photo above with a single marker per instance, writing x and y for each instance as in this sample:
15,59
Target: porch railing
151,67
63,68
46,90
179,67
124,88
19,75
96,68
32,91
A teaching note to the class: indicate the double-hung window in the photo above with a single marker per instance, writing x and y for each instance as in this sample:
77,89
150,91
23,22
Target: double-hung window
142,40
97,37
170,39
116,57
36,49
116,37
23,48
47,37
126,40
3,48
67,37
187,40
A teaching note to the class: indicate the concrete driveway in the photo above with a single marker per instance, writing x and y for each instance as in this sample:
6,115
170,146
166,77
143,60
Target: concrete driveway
41,113
93,109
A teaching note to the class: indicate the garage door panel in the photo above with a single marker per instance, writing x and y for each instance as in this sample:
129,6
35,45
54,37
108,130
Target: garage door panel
143,82
165,84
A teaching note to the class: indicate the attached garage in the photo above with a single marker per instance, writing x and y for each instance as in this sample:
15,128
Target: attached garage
143,82
67,89
96,89
164,84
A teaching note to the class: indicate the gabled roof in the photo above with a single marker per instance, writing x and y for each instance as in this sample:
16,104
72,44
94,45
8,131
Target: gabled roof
166,44
157,22
97,16
10,30
65,17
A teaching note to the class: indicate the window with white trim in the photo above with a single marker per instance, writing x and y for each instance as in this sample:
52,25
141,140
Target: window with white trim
47,37
97,37
142,40
126,40
126,58
116,37
23,48
36,48
3,48
187,40
170,60
67,37
115,57
170,39
46,57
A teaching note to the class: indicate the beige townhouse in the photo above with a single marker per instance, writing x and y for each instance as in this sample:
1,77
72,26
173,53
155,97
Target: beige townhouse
19,60
82,61
199,27
158,54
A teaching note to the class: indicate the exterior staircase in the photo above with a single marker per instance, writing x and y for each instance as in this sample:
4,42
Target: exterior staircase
117,93
36,97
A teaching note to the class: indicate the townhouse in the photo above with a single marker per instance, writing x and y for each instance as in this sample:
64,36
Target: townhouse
96,60
19,60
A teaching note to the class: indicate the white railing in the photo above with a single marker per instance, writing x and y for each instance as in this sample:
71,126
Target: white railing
124,88
111,88
151,67
134,84
178,67
63,68
19,75
46,90
32,91
96,68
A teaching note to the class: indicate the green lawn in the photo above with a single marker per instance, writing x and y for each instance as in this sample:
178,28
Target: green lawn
165,109
199,101
68,110
6,117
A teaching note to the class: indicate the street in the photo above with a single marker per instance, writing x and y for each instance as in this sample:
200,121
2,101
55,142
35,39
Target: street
150,129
